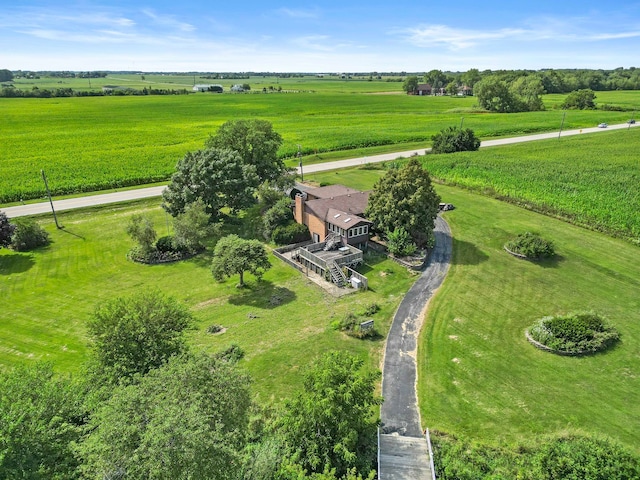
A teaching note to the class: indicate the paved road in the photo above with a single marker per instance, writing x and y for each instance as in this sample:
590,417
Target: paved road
127,195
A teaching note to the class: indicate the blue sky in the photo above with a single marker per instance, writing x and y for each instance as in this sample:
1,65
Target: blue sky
327,36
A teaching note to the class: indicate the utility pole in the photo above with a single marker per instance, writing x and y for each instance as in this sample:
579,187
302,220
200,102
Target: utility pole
46,186
461,122
300,162
562,124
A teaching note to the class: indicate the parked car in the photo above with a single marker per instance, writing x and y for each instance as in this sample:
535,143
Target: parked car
632,121
603,125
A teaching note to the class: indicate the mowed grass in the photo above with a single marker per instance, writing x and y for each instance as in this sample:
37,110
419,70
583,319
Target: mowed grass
282,323
479,377
592,180
96,143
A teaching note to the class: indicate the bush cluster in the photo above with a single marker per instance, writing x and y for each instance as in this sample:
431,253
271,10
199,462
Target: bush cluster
292,233
531,246
28,235
350,324
584,332
566,457
454,139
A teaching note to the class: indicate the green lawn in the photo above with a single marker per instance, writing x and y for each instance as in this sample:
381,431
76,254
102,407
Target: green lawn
479,376
282,323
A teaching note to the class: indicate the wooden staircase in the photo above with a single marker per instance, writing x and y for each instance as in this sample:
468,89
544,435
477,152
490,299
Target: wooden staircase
337,275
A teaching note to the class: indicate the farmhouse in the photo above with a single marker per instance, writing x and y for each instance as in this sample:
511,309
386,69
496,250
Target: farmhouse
334,210
423,89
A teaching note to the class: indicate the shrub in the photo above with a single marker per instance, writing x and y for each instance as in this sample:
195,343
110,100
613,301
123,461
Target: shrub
399,242
28,235
232,354
292,233
6,230
584,332
371,309
212,329
454,139
165,244
350,324
531,246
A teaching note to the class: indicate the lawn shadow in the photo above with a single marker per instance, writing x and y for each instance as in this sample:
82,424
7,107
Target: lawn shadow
262,294
66,230
202,259
17,263
552,262
466,253
371,259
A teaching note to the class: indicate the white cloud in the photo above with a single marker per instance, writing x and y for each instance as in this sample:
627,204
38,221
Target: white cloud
299,13
314,42
455,38
168,21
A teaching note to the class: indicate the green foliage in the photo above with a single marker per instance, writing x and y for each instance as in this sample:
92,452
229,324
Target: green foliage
583,332
232,354
215,176
328,425
569,457
493,94
528,90
257,144
399,242
350,324
6,230
531,245
580,100
186,419
410,84
192,227
371,309
454,139
292,233
28,235
279,215
165,244
140,229
132,335
234,256
405,198
40,419
215,328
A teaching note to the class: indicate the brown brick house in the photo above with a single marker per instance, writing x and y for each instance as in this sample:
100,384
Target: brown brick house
334,209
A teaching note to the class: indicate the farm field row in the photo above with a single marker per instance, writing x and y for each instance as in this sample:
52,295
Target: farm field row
478,376
590,180
96,143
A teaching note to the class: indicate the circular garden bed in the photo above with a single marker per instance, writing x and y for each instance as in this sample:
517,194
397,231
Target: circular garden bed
574,334
530,246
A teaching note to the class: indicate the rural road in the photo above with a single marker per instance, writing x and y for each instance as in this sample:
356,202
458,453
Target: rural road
127,195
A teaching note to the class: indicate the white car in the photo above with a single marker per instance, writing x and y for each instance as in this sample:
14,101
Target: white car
603,125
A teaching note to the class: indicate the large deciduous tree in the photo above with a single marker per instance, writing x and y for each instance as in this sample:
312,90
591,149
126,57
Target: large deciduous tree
329,424
410,84
257,144
192,227
234,256
185,420
494,94
40,420
217,176
132,335
528,89
404,198
581,100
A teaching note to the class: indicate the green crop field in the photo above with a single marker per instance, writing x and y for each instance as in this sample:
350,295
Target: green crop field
96,143
591,180
49,294
478,376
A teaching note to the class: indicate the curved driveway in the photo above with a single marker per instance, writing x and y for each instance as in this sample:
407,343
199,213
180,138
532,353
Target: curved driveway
400,412
128,195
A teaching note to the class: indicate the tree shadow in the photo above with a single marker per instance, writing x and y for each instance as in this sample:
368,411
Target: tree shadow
466,253
16,263
371,259
552,262
262,294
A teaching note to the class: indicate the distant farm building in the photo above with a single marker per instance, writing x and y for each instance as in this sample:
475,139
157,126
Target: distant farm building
203,87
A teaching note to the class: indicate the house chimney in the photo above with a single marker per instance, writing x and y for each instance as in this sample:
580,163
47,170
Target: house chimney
298,213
